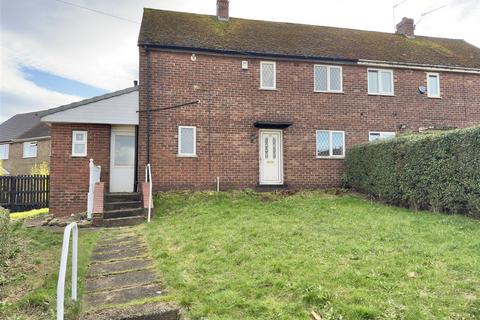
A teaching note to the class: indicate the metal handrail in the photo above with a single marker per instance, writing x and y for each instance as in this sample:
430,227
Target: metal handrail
148,179
63,268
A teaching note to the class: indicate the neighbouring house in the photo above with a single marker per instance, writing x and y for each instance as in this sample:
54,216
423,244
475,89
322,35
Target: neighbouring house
24,143
240,103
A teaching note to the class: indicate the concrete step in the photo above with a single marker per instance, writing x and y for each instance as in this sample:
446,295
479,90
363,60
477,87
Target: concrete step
122,205
122,213
147,311
122,197
123,295
271,187
121,222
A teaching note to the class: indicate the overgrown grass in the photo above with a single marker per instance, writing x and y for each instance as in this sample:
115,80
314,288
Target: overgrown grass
29,289
241,255
28,214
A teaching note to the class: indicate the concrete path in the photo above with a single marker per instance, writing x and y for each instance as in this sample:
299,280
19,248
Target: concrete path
121,281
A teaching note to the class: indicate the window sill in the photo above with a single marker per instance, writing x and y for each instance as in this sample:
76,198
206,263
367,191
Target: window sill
331,158
29,157
334,92
187,156
382,94
433,97
268,89
79,156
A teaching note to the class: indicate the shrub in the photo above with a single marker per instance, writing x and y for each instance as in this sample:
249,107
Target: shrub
440,172
8,248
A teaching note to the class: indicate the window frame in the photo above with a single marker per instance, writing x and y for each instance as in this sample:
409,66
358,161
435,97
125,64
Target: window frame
330,151
30,143
274,75
329,67
436,74
7,151
187,155
380,92
74,142
380,133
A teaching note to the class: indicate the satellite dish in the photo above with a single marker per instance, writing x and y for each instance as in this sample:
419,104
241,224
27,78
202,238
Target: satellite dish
422,89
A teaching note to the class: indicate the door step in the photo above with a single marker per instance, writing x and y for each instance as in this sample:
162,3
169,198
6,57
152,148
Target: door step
121,209
271,187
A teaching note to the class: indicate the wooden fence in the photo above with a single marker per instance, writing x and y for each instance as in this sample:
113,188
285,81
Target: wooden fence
21,193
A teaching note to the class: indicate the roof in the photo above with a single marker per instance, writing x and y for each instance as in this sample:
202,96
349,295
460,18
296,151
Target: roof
90,100
178,30
24,126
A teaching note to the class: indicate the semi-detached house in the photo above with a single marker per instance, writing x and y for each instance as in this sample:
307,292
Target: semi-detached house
247,104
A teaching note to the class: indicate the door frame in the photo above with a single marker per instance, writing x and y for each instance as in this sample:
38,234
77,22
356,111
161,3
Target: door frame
280,156
122,129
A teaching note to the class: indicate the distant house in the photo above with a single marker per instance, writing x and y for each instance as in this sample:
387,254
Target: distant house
24,143
256,104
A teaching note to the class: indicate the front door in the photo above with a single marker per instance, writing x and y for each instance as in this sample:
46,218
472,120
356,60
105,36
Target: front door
271,157
122,159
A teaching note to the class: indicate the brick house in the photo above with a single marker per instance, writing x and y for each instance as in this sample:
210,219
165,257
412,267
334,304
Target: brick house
247,103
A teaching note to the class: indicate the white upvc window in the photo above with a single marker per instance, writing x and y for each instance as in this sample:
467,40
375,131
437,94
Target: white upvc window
268,75
379,135
433,85
4,148
79,143
328,78
380,82
330,144
187,140
30,149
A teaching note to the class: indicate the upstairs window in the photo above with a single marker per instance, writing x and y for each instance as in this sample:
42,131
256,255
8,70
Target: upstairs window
330,144
328,78
268,75
187,140
79,143
433,85
373,136
4,151
380,82
30,149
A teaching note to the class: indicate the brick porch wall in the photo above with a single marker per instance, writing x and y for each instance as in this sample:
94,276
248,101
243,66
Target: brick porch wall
70,175
230,102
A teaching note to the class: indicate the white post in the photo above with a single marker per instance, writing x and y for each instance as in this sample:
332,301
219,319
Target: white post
148,178
63,268
94,177
218,184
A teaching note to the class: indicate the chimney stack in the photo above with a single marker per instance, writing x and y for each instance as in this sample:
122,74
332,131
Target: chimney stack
406,27
222,10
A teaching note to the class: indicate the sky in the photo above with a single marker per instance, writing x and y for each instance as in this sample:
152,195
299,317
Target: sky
53,53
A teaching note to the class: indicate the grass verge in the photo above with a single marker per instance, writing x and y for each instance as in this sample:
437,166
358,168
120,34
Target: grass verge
242,255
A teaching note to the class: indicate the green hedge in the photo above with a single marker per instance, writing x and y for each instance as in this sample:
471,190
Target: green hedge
440,172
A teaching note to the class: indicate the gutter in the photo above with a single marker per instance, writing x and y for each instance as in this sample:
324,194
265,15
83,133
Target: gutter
31,139
416,66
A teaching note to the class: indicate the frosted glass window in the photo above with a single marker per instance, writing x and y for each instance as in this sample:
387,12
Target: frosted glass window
433,85
321,78
79,143
267,75
124,150
187,141
327,78
323,144
330,144
373,136
337,143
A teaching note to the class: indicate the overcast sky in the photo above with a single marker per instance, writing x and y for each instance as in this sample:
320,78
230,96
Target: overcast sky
53,53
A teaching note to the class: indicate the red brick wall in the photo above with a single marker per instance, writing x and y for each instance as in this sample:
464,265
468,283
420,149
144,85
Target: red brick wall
70,175
230,102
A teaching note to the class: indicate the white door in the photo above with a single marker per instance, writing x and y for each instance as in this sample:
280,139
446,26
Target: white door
271,157
122,159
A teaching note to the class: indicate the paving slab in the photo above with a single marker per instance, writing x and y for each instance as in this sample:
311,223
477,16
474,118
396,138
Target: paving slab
108,241
148,311
118,255
104,268
127,279
123,295
114,246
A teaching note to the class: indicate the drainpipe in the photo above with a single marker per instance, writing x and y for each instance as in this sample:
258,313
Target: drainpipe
148,103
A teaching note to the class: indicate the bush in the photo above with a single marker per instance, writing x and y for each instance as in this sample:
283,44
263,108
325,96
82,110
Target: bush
440,172
8,248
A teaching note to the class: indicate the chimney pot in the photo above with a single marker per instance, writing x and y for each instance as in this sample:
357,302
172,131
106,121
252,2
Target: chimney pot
222,10
135,83
406,27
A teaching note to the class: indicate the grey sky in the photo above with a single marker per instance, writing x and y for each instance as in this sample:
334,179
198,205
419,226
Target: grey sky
101,51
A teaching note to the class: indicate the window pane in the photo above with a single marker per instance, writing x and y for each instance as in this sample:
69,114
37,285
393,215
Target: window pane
79,148
388,135
274,146
124,150
323,144
268,75
386,82
266,147
373,136
29,149
187,140
320,78
337,143
372,81
79,137
4,151
335,79
433,85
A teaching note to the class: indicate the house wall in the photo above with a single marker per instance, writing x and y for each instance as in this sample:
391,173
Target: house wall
230,102
70,175
17,165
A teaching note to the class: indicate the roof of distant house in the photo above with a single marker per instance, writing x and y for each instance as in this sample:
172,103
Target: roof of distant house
178,30
24,126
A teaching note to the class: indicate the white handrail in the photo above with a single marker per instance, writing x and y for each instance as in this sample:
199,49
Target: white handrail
63,268
148,178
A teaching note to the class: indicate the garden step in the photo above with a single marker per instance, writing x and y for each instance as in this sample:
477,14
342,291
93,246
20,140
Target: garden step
109,267
127,279
122,197
125,221
123,295
121,213
147,311
123,205
271,187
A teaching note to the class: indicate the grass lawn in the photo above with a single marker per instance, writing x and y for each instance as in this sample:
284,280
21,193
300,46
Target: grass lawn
242,255
28,281
28,214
